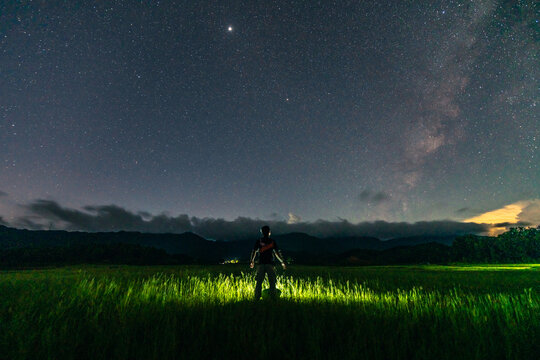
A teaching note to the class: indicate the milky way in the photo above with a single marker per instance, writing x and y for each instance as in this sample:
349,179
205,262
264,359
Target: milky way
287,111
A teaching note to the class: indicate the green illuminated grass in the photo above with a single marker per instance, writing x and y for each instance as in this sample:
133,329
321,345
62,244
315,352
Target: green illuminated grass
416,312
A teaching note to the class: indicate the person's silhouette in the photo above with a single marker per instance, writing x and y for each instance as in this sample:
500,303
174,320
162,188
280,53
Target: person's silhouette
267,249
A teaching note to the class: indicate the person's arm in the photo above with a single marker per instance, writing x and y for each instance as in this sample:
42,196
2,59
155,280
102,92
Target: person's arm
280,257
252,258
253,254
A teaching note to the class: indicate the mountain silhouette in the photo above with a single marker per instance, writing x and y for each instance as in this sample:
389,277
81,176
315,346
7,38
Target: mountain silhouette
193,245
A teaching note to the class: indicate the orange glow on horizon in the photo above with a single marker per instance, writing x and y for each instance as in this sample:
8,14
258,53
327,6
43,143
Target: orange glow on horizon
509,214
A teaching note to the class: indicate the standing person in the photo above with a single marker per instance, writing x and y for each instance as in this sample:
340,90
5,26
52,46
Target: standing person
267,249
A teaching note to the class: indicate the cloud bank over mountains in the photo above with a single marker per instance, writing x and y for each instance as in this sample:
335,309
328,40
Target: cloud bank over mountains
44,214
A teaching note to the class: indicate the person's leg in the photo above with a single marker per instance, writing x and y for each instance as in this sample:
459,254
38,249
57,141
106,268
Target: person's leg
259,278
272,279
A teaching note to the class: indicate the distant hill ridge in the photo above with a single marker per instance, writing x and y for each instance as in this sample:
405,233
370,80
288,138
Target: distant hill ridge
196,246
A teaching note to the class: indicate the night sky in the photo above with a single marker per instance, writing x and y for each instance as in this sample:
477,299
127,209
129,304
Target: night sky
292,111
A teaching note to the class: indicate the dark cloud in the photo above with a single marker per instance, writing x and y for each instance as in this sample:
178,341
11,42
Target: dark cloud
3,193
462,210
364,195
115,218
145,214
380,197
108,218
274,216
510,224
29,222
369,196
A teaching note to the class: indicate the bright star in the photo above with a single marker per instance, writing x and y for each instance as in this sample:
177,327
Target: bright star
229,29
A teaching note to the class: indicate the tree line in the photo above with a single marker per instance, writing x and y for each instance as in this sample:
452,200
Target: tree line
518,245
91,253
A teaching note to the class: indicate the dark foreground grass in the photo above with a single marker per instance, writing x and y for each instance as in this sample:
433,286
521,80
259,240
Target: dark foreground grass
425,312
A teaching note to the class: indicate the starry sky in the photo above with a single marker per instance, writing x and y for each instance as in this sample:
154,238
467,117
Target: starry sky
293,111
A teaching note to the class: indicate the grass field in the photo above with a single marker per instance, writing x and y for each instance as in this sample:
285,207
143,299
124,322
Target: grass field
196,312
